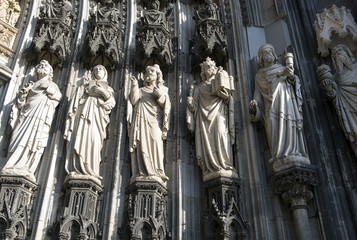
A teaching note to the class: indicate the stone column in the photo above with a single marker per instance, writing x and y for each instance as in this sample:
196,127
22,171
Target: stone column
145,214
79,210
223,218
16,199
296,184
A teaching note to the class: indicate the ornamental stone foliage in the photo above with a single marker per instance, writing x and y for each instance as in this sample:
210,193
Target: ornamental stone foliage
54,29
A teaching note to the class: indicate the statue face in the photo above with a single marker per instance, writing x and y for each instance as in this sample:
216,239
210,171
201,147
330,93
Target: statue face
99,73
342,58
209,71
42,70
268,56
151,74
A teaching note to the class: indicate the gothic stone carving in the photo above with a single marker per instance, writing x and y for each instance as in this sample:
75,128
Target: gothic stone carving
87,119
278,101
210,38
296,185
210,115
342,90
148,125
31,120
223,218
145,211
16,199
79,211
340,21
104,37
54,30
154,38
9,14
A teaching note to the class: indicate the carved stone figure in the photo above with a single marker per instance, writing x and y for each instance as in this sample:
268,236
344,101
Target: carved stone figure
108,13
210,115
31,120
342,90
149,123
278,102
88,117
10,11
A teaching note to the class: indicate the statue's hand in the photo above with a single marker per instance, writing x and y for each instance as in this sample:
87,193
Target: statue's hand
253,105
223,93
134,81
99,90
50,90
157,93
289,72
190,103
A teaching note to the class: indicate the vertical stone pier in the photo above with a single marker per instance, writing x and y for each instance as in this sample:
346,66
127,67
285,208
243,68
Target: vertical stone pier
296,184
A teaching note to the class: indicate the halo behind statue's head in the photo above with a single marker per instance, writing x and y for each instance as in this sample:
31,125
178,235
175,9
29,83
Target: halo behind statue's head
49,69
207,64
334,55
260,54
105,70
160,80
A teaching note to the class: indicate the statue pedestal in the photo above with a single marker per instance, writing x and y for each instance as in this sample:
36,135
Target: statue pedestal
16,199
145,211
223,219
295,184
78,213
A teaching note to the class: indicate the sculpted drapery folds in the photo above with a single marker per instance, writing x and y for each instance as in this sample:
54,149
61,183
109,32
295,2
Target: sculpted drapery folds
87,119
31,120
149,123
210,115
342,90
278,102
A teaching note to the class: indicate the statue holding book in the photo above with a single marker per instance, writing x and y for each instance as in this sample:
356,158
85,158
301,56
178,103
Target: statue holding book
87,119
210,115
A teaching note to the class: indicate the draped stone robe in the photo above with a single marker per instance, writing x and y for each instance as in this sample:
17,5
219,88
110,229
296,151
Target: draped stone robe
213,124
280,101
88,117
149,120
31,124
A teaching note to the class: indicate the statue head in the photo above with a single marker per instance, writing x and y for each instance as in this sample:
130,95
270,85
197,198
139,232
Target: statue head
208,69
99,73
153,75
154,5
266,55
342,57
43,69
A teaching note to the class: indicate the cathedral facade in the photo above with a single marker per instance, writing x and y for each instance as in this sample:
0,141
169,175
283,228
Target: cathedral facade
178,119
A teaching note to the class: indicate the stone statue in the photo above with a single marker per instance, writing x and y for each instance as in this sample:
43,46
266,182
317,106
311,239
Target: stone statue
342,90
87,119
211,11
278,102
31,120
210,115
61,10
149,123
108,13
10,11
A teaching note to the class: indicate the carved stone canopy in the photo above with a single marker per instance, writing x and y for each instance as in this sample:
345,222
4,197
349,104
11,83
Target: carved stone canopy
334,26
154,38
210,39
54,30
104,36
